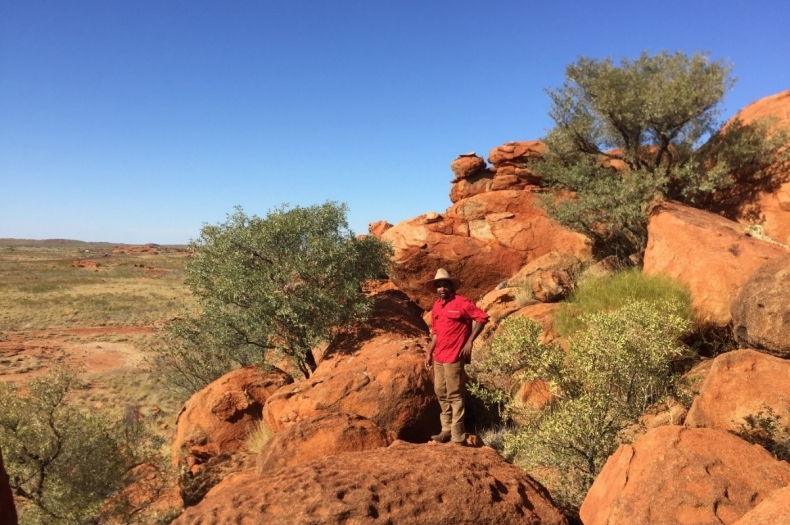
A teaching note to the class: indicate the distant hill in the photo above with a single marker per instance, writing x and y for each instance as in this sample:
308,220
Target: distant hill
72,243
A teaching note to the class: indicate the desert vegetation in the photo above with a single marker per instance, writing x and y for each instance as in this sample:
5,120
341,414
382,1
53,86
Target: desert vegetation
631,131
269,289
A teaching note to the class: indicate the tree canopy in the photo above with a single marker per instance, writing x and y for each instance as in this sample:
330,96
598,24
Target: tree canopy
631,131
270,288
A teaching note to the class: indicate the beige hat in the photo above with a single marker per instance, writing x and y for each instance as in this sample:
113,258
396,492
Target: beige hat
442,275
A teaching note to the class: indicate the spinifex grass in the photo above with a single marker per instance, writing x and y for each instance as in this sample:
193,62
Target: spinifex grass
39,288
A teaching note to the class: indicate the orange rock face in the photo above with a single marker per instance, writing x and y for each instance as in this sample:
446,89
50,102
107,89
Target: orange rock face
677,475
218,418
740,384
404,484
7,509
376,372
325,435
761,312
773,511
710,254
378,228
516,152
483,240
767,204
467,165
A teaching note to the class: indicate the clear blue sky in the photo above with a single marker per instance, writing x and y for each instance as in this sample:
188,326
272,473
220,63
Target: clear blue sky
137,121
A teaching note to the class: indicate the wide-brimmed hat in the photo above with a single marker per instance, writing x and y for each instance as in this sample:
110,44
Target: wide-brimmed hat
442,275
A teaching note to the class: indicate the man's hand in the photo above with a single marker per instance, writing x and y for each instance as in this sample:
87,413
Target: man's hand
429,361
466,352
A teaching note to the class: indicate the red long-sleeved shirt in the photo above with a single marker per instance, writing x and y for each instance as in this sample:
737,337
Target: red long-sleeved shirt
451,322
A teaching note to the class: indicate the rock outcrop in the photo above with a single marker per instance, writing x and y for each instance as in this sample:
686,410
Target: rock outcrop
325,435
376,372
775,510
483,240
677,475
7,508
765,202
761,311
741,384
710,254
218,419
510,170
404,484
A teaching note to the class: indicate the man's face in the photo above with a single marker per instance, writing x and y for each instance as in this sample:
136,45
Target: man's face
444,289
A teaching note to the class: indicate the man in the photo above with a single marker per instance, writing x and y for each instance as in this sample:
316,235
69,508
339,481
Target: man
455,324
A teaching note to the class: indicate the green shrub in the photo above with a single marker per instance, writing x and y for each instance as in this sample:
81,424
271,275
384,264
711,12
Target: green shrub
612,371
606,294
267,289
767,429
65,462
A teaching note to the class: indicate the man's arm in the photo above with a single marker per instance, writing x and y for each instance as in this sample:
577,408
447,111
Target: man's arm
466,351
429,356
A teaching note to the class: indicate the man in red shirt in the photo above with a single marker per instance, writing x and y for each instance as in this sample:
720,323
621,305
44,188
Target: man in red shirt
455,324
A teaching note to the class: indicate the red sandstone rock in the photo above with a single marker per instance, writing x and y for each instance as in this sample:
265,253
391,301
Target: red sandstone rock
761,311
466,165
677,475
378,228
482,240
218,418
516,152
774,510
86,263
7,509
325,435
499,304
768,203
740,384
376,372
493,179
708,253
404,484
543,314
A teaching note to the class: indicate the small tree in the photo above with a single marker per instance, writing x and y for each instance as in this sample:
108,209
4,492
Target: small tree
628,133
62,461
270,288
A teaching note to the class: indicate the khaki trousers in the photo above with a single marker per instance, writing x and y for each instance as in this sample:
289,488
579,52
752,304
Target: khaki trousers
449,383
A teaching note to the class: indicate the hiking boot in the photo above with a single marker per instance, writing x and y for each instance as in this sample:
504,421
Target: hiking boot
442,437
460,443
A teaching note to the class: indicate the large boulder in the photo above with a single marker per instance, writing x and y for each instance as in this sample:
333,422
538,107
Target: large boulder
483,240
7,508
218,418
325,435
517,153
404,484
761,311
765,202
676,474
711,255
741,384
376,371
775,510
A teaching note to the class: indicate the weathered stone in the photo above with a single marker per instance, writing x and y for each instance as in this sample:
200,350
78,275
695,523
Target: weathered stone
741,384
761,311
709,254
482,240
376,371
676,474
218,418
403,483
325,435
